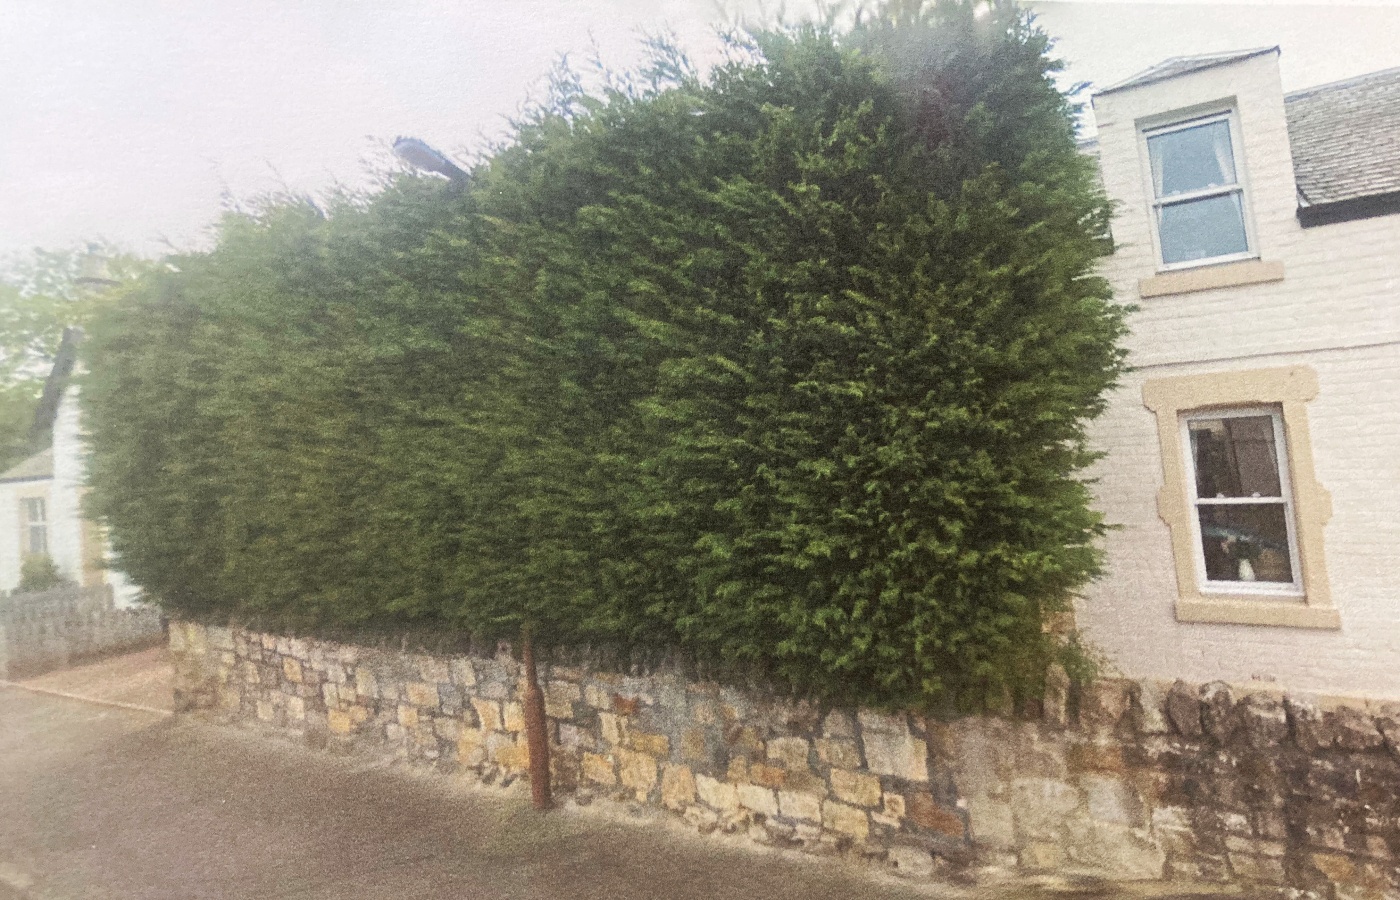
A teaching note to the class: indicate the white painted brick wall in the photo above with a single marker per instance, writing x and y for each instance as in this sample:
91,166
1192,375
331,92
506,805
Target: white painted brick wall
64,512
1336,310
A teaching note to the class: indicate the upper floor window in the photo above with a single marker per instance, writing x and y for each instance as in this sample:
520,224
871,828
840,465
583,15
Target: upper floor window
1198,202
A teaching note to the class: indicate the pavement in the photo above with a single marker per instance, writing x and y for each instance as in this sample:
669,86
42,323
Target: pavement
104,796
141,679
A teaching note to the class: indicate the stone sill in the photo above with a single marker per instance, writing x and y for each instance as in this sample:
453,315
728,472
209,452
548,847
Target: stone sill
1208,278
1230,610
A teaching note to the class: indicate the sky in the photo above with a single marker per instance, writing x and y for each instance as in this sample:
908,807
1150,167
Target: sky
136,121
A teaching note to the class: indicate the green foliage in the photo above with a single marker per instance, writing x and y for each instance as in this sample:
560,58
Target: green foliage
40,295
786,368
37,572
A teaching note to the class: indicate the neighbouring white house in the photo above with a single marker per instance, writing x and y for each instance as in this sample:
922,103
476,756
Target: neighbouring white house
41,499
1252,455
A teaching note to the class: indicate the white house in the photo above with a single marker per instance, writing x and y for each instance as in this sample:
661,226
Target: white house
1252,465
41,503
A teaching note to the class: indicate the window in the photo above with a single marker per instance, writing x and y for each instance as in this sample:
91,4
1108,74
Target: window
1245,511
36,532
1198,204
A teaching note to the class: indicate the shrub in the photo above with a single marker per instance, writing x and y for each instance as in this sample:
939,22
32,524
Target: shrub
786,368
37,572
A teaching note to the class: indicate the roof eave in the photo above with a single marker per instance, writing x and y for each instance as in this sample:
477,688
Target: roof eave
19,479
1133,82
1349,210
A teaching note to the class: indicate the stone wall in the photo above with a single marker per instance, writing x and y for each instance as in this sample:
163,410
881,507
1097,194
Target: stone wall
50,629
1129,780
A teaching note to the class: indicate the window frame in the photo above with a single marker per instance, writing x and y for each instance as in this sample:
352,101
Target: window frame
1149,130
1293,588
29,523
1287,391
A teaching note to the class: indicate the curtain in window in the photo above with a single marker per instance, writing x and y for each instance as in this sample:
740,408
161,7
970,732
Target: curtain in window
1224,155
1192,159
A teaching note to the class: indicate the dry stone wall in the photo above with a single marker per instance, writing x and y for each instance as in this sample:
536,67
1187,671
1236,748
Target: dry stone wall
1128,780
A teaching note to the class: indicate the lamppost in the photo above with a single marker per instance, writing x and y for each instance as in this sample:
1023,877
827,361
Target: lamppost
421,156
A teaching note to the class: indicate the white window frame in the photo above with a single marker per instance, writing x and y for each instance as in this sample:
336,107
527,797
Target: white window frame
1241,187
29,504
1195,502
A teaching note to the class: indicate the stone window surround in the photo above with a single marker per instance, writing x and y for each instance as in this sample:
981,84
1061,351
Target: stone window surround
1211,277
1289,389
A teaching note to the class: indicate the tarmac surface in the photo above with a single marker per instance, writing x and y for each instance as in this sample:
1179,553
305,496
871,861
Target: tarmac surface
101,802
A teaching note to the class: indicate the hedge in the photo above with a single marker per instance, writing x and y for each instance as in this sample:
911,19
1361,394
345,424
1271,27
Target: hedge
786,368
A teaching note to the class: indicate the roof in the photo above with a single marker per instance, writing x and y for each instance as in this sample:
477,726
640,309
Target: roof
1181,65
35,468
57,382
1346,138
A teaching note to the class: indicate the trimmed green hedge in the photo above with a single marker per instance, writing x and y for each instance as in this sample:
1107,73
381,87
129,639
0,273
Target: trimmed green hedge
786,368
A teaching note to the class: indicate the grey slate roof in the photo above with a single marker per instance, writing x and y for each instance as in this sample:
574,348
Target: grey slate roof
1180,65
35,468
1346,138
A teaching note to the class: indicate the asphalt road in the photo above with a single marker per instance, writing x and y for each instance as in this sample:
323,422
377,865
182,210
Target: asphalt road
103,802
99,802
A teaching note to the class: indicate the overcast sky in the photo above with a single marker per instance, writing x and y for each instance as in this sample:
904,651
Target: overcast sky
130,119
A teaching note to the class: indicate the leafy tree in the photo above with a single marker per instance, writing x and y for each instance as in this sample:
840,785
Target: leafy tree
786,368
41,295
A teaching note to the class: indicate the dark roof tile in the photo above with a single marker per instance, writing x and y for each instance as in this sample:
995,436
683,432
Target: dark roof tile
1346,138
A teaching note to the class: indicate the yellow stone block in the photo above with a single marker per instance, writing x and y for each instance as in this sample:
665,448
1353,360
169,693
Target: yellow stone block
693,744
514,718
789,752
1335,866
677,787
470,750
845,819
291,668
614,728
515,757
599,769
723,797
855,787
758,799
1042,855
637,771
798,805
842,754
339,722
423,694
489,712
556,707
768,776
408,716
658,745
